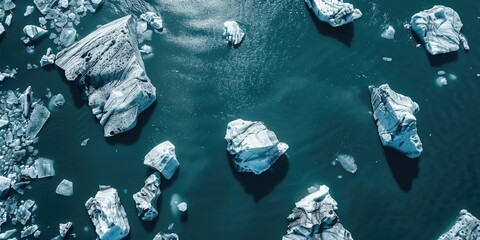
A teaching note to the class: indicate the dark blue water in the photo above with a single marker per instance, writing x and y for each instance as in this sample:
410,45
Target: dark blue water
307,82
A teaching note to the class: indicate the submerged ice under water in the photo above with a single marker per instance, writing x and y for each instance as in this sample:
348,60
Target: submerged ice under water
305,79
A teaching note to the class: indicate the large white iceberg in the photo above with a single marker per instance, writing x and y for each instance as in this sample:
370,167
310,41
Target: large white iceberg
334,12
254,147
314,217
394,115
107,214
107,65
162,157
439,29
465,228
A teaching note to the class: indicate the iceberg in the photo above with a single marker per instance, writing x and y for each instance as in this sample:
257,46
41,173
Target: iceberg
166,236
38,118
232,32
108,214
347,162
466,227
63,228
64,188
314,217
107,65
44,168
334,12
33,32
388,32
394,115
68,35
29,10
48,58
146,198
254,147
162,157
439,29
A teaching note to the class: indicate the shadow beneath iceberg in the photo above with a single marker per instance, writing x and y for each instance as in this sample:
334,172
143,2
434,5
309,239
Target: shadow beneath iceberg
344,33
404,169
79,97
436,60
149,226
261,185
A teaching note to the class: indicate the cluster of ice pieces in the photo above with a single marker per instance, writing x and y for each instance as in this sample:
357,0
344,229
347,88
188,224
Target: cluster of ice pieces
314,217
334,12
62,16
232,32
8,73
254,147
6,7
394,115
18,212
107,65
439,29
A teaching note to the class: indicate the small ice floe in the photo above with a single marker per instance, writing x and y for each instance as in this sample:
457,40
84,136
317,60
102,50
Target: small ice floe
84,142
232,32
48,58
387,59
29,10
441,73
347,162
65,188
388,32
441,81
182,207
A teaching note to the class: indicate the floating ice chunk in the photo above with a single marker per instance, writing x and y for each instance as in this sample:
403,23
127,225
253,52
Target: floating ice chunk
441,81
2,29
254,147
5,184
56,102
153,20
8,234
27,231
441,72
394,115
163,158
439,29
29,10
466,227
146,198
146,49
44,168
334,12
65,188
108,214
8,5
387,59
44,5
314,217
30,49
312,189
347,162
68,35
452,76
48,58
33,32
38,118
84,142
8,19
232,32
388,32
63,3
166,236
182,207
63,228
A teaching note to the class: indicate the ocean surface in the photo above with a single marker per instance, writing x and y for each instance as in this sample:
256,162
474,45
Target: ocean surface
307,82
